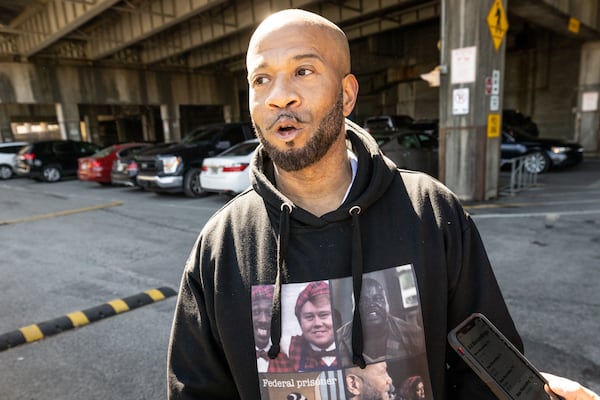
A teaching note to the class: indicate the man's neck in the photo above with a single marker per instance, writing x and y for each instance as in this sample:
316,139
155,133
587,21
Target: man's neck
321,187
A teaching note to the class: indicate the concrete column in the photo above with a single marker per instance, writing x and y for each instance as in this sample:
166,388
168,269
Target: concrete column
91,122
68,120
169,114
121,130
5,129
587,120
472,70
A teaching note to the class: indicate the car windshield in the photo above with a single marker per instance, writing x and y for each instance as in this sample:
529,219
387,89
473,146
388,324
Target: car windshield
104,152
519,135
241,149
202,135
378,124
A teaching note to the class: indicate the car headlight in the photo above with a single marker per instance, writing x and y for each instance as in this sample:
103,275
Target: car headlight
559,149
170,164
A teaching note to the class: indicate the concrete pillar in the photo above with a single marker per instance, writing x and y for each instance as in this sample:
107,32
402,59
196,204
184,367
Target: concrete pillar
68,120
147,122
91,123
587,120
472,72
121,130
169,113
5,129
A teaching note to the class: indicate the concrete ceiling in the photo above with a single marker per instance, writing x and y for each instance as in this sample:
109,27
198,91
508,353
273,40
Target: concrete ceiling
188,34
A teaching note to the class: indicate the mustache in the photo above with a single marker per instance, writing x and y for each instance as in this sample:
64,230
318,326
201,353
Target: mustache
286,114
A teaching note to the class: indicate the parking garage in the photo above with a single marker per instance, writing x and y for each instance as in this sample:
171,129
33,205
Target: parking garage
107,71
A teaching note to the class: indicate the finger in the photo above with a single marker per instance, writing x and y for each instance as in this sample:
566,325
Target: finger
569,389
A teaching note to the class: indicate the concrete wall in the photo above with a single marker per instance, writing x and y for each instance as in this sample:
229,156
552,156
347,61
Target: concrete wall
72,85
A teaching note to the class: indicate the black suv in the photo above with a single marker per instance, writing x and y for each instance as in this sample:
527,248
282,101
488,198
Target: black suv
51,160
176,167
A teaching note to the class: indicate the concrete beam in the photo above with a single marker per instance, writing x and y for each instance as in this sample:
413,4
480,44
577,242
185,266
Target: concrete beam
554,16
207,28
139,23
357,21
54,20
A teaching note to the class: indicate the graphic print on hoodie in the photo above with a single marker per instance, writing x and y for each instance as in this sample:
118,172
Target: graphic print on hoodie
315,360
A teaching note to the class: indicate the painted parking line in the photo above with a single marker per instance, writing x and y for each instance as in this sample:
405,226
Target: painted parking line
35,332
537,214
60,213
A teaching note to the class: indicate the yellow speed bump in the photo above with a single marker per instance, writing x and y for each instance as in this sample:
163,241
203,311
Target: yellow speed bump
35,332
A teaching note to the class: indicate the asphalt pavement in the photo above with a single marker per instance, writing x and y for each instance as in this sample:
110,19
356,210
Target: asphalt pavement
544,244
73,246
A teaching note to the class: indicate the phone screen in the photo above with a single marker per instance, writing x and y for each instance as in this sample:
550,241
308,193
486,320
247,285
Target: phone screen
499,360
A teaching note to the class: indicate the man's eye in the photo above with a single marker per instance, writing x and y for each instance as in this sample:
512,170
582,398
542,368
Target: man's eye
304,71
260,80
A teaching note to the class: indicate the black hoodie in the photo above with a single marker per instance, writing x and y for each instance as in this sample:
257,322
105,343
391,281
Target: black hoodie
402,230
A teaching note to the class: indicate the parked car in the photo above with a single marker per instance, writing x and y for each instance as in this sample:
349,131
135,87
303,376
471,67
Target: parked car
542,154
414,150
518,122
98,166
8,158
228,172
177,167
51,160
431,126
383,124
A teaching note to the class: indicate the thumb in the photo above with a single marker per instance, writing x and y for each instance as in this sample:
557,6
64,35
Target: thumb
569,389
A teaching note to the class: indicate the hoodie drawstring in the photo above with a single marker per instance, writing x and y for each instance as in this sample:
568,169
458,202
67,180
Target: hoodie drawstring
357,272
282,243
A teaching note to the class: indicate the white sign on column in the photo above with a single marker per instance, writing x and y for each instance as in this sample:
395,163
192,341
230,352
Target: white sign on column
496,82
460,101
463,65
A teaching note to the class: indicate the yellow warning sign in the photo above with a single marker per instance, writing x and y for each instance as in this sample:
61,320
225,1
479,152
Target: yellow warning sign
497,22
574,25
493,126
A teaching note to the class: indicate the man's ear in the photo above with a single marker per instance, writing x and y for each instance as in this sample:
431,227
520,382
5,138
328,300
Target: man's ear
350,92
353,384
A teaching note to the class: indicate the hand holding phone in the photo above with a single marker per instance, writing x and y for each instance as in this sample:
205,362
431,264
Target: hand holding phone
496,361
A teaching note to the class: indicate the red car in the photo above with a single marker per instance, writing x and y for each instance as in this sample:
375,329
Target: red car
98,167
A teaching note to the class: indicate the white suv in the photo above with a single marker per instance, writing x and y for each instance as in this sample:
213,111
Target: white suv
8,158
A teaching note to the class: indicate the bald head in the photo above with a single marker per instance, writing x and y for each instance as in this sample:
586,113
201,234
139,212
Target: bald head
310,25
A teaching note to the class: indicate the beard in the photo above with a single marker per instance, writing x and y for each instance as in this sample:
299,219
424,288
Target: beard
295,159
370,393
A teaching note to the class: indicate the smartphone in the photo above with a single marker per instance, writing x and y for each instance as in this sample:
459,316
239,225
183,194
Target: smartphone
497,362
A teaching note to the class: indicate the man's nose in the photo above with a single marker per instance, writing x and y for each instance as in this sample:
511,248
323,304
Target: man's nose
283,94
263,316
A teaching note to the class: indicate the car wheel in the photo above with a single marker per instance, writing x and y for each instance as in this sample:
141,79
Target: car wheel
5,172
51,173
536,163
191,183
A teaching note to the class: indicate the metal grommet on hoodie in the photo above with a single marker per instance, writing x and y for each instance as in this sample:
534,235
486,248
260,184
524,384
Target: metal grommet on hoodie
355,210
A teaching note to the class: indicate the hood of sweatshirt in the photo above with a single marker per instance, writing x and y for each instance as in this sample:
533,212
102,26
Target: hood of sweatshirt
373,177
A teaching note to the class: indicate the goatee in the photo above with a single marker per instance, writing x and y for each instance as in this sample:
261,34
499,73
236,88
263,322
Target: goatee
295,159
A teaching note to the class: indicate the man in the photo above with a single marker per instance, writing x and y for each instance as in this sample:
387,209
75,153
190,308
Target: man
386,336
262,304
314,350
371,383
320,209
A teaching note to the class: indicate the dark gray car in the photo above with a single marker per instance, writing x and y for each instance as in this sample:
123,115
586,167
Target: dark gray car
412,150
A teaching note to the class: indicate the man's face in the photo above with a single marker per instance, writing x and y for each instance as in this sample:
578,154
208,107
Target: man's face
375,383
261,321
316,322
373,305
296,96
